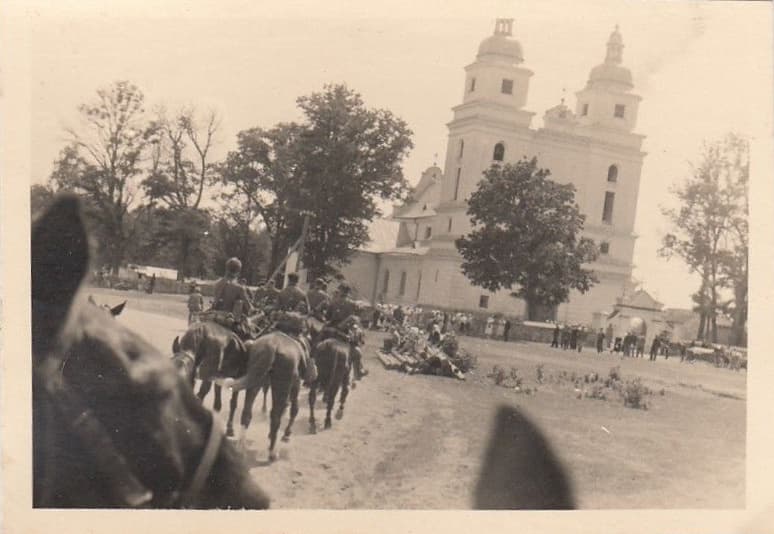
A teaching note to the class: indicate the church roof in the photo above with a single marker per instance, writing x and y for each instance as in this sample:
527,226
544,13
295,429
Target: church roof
383,234
611,71
501,45
640,299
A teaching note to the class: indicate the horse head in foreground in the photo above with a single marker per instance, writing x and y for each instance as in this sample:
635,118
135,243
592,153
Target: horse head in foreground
113,423
115,311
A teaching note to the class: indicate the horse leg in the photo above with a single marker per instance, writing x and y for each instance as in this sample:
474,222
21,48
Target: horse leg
265,394
204,389
332,391
217,405
312,400
247,414
344,393
232,407
294,390
279,402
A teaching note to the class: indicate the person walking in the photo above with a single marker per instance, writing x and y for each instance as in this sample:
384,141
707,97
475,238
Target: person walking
555,341
195,304
654,348
506,329
600,340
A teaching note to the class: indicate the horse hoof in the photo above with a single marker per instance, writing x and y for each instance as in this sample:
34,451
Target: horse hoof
328,424
340,414
273,456
313,429
229,432
285,438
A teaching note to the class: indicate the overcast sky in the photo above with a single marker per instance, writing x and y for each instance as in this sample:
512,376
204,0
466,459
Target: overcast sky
701,69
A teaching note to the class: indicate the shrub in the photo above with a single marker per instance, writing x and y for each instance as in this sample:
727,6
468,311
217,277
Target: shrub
615,373
634,393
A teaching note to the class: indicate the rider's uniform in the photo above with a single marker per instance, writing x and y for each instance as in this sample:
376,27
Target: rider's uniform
319,302
292,298
231,297
340,310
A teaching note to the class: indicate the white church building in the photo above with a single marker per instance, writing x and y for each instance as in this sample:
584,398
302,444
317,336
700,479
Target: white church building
594,147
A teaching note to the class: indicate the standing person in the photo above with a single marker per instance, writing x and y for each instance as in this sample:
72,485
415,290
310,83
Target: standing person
574,338
152,284
600,340
654,348
489,326
565,337
640,346
195,304
399,315
609,336
555,340
506,329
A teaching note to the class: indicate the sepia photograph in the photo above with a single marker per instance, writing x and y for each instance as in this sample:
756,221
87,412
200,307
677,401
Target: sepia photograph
442,257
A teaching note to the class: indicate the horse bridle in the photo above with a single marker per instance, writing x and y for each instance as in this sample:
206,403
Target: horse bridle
127,490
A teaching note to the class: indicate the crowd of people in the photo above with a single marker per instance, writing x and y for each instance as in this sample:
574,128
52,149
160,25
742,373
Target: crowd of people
632,345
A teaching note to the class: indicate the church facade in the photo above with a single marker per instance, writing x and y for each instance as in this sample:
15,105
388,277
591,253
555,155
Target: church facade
593,146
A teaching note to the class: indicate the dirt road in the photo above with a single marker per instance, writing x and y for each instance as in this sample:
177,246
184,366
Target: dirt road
417,441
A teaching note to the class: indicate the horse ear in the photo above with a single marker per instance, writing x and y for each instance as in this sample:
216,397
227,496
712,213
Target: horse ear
176,345
116,311
60,259
520,472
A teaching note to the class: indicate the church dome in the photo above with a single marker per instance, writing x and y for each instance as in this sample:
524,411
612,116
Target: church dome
501,45
607,72
611,71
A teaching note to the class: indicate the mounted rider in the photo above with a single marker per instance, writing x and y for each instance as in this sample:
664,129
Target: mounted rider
292,307
231,302
318,298
341,310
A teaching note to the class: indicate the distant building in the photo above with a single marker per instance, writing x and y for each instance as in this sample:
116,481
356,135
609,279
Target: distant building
146,271
593,147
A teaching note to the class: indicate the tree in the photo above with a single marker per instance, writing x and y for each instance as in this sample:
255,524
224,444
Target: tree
104,160
41,197
526,237
334,165
349,157
181,169
263,182
711,227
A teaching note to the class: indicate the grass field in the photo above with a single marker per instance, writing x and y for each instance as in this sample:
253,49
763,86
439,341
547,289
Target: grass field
416,441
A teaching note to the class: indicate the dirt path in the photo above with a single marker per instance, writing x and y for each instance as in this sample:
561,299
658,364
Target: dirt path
417,441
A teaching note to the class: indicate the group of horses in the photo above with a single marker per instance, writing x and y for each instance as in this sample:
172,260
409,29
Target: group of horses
115,424
272,362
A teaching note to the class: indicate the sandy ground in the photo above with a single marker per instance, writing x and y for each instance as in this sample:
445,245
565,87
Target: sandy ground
417,441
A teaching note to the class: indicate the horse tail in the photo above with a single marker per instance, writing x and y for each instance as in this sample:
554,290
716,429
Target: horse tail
260,359
176,345
339,360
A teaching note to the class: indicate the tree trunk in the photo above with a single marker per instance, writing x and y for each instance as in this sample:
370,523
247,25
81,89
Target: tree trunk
714,307
702,324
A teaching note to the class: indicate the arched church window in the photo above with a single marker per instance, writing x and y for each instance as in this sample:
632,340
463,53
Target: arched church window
612,173
499,152
472,84
462,148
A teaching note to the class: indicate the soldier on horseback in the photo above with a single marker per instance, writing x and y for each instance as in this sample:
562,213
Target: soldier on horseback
341,309
231,301
318,298
292,298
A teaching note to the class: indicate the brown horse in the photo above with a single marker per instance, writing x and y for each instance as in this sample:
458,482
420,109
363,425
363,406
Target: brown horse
209,351
278,357
113,423
216,351
333,368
